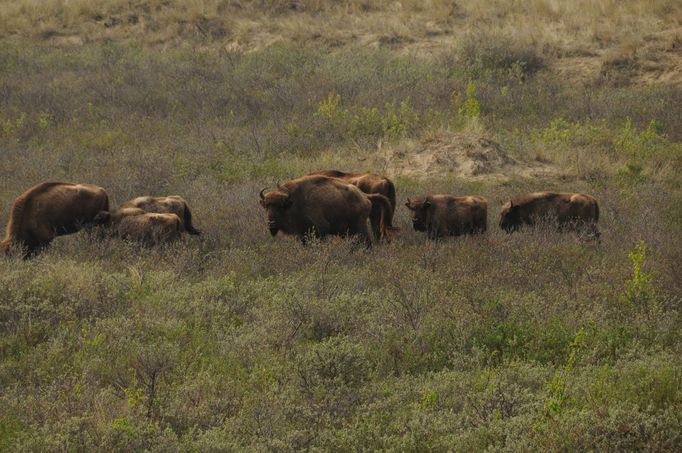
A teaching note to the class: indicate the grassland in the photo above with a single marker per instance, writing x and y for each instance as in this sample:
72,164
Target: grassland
237,341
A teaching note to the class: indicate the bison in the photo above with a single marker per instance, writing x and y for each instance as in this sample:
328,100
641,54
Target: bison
320,206
172,204
371,184
448,215
147,228
572,211
51,209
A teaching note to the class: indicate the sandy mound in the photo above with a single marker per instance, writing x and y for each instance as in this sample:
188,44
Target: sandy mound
453,154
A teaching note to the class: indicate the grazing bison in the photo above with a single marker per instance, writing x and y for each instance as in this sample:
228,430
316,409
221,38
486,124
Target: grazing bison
166,205
51,209
371,184
448,215
572,211
322,206
147,228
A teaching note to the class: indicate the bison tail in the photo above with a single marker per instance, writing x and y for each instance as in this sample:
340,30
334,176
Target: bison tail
482,226
105,205
390,194
16,218
188,222
390,189
381,210
596,211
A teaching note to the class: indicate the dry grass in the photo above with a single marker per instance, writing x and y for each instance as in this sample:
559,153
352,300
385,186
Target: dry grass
577,38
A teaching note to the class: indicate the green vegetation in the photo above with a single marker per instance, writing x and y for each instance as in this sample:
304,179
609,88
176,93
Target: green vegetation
237,341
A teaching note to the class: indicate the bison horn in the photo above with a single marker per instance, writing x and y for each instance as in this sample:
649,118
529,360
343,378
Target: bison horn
278,186
262,197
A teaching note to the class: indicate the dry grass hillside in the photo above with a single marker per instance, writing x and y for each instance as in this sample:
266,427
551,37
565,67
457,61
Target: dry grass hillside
238,341
633,41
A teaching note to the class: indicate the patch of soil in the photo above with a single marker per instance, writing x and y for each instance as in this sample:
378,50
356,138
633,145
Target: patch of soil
457,154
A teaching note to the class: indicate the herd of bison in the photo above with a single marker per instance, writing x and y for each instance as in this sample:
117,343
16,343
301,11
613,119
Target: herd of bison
327,202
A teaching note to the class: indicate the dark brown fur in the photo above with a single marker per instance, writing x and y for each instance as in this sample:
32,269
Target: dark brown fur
370,184
448,215
572,211
51,209
172,204
322,206
381,209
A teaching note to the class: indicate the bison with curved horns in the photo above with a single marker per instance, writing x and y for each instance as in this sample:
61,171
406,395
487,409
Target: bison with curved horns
448,215
577,212
172,204
147,228
323,206
52,209
371,184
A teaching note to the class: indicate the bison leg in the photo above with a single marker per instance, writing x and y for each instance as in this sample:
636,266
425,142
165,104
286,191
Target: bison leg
380,215
31,250
363,232
376,232
481,225
19,248
596,234
31,245
433,231
588,231
310,235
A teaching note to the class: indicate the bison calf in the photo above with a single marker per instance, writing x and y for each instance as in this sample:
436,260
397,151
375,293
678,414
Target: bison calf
448,215
51,209
172,204
321,206
147,228
572,211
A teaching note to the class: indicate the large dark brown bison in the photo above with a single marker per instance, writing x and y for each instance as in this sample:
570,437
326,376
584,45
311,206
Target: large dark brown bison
572,211
172,204
320,206
51,209
371,184
448,215
147,228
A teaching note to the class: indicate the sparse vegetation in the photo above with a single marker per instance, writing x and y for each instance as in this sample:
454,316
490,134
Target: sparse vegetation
237,341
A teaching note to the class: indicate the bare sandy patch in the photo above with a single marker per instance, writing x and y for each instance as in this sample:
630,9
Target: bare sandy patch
463,155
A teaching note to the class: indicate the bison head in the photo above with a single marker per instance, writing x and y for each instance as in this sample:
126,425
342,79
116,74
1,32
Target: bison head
419,209
510,217
276,205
